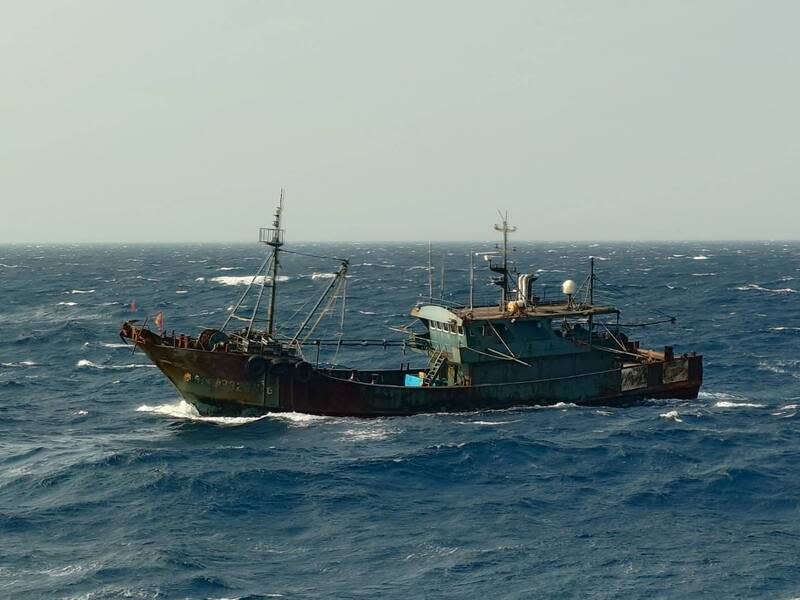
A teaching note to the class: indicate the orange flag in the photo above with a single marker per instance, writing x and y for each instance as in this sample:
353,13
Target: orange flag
159,320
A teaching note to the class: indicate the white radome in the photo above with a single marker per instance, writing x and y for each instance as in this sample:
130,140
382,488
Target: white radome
569,287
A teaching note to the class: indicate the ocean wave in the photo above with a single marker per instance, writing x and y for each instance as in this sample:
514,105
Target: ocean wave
323,275
726,400
184,410
9,266
81,292
67,304
755,286
781,367
672,415
19,365
229,269
784,328
729,404
700,257
368,433
84,363
246,279
488,423
300,419
114,345
562,405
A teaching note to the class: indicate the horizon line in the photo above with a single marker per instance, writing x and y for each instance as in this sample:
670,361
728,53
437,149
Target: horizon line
396,241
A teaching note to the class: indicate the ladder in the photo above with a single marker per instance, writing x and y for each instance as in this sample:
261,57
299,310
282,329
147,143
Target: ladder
438,358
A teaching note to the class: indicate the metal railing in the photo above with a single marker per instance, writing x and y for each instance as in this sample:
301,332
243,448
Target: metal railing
270,235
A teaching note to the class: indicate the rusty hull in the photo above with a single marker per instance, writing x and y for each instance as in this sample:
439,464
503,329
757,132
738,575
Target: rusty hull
219,383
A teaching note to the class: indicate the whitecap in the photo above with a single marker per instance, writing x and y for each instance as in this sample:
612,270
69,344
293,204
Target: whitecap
114,345
9,266
200,279
781,367
368,434
755,286
558,405
487,423
700,257
20,364
299,419
323,275
784,328
81,292
181,292
184,410
672,415
67,304
246,279
366,312
82,363
728,404
229,269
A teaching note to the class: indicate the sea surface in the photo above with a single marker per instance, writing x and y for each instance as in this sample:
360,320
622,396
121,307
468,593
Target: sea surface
111,487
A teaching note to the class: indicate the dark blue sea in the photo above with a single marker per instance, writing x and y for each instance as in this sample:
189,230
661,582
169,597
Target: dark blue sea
111,487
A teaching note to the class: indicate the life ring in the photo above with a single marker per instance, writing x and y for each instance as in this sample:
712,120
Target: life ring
256,366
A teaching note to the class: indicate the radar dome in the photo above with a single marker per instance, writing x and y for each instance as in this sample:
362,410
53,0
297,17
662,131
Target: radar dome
569,287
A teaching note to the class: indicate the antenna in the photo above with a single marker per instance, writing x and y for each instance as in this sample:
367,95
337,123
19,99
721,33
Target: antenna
430,272
505,228
471,277
441,290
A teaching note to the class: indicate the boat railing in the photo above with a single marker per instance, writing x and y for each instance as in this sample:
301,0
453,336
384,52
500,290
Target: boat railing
440,302
270,235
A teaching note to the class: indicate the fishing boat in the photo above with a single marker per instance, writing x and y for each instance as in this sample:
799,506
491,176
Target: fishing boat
520,351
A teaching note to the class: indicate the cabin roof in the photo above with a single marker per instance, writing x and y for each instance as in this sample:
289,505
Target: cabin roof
494,313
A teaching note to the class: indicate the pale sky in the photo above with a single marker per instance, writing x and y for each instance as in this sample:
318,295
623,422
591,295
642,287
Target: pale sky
158,121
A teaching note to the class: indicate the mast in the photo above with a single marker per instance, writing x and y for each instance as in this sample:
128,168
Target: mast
441,289
471,277
505,228
276,241
430,271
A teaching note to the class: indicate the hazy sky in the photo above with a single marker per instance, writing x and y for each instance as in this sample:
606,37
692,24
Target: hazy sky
180,121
